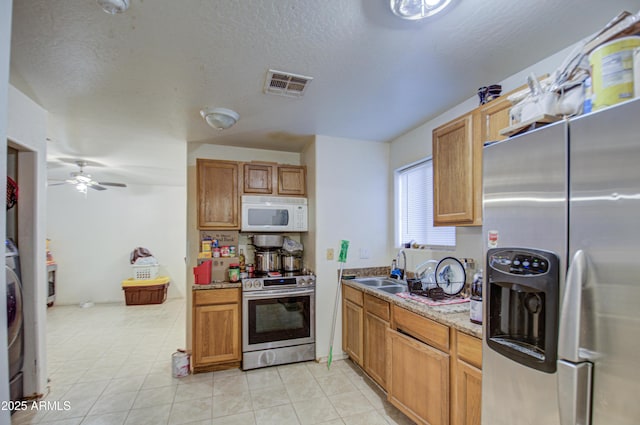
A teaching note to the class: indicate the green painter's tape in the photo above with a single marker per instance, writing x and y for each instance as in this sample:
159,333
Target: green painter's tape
344,246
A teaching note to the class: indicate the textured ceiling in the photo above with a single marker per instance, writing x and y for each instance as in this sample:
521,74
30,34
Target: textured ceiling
126,90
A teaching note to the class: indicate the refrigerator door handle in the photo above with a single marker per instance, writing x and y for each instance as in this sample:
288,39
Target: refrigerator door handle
574,392
569,329
574,373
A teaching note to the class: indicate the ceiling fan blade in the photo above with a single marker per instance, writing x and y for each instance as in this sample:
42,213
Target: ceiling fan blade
96,187
56,183
112,184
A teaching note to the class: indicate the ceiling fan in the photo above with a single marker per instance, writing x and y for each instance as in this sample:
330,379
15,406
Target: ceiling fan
83,181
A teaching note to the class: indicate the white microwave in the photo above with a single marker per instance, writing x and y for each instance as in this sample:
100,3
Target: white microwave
274,214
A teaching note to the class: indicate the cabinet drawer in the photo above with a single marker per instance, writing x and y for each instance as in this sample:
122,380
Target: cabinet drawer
470,349
216,296
426,330
352,295
376,306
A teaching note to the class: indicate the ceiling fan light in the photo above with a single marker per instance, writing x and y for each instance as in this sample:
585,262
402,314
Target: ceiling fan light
81,187
220,118
114,6
417,9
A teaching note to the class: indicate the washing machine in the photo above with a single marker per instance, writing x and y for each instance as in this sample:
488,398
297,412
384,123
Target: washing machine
15,319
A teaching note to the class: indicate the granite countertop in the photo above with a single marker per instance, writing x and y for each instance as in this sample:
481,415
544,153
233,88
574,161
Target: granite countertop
217,285
455,316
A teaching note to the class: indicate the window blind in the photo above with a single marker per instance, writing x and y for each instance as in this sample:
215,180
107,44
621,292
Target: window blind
415,208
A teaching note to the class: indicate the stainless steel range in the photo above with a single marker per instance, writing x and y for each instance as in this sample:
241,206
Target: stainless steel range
278,320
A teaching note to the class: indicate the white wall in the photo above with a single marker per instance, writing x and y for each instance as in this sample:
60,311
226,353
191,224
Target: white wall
5,45
416,145
351,193
93,236
27,123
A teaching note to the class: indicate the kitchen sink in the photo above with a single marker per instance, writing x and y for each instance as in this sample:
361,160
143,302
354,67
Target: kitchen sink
383,284
377,281
393,289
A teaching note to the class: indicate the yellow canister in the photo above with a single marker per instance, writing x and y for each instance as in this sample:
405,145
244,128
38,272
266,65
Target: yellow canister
612,72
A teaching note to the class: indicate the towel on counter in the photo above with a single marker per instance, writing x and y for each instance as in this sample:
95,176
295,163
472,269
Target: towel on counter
429,301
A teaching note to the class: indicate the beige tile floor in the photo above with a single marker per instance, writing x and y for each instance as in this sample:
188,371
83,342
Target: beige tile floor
112,364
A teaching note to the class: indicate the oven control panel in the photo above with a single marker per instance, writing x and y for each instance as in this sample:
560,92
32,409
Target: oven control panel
270,283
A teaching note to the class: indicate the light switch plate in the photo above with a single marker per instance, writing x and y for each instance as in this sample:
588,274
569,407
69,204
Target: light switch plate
364,253
329,253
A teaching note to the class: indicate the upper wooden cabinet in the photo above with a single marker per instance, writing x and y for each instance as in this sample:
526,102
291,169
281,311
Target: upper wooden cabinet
457,173
292,180
457,161
274,179
218,197
258,178
220,185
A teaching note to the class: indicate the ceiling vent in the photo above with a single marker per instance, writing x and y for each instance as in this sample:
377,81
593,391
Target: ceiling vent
285,83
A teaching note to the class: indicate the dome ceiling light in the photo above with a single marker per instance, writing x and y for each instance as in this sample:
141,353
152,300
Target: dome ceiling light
220,118
417,9
114,6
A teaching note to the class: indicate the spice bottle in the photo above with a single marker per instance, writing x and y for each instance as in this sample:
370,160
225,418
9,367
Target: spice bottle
242,261
234,272
475,303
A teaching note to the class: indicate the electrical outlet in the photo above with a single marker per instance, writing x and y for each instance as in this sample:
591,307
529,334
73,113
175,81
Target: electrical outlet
364,253
329,253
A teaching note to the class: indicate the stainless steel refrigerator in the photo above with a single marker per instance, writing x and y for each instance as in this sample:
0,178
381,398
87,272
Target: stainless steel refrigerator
561,229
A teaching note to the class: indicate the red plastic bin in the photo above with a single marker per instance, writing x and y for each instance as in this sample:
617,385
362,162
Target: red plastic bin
202,273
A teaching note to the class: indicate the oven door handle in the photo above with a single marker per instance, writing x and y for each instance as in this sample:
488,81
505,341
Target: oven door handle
255,295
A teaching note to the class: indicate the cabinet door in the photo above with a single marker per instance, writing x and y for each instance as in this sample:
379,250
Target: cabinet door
417,379
292,180
216,336
468,394
457,174
374,348
218,201
258,178
352,330
494,116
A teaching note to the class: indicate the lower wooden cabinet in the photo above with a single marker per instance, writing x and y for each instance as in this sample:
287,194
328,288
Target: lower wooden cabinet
466,380
216,329
431,372
376,323
352,331
417,379
468,394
